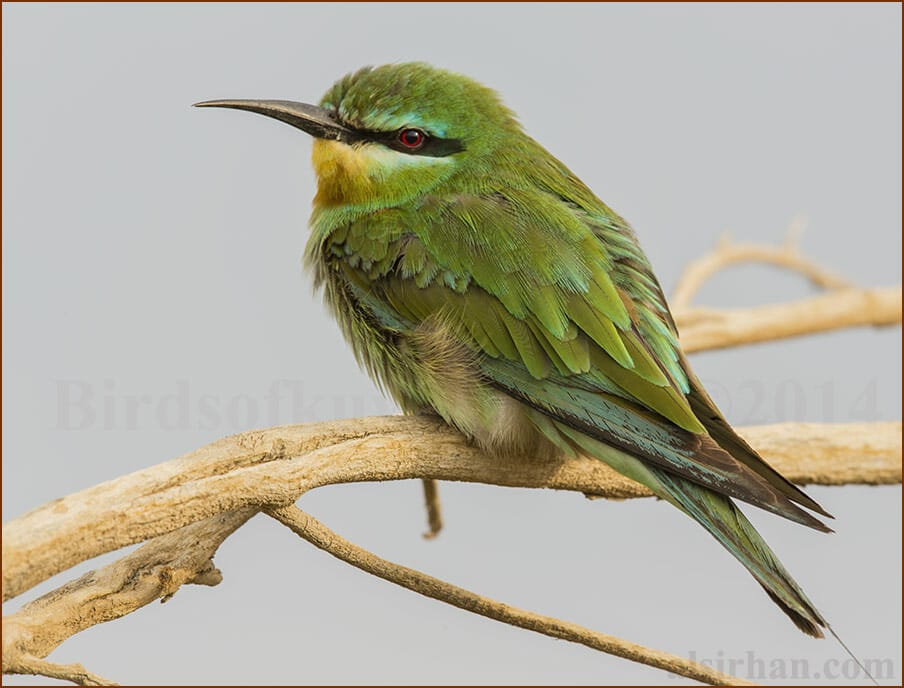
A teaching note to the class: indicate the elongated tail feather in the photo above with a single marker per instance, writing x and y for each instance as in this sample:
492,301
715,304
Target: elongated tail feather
724,521
730,527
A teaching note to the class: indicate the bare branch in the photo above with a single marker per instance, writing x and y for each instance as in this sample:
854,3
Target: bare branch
270,469
154,571
74,673
709,328
320,536
726,254
188,506
843,305
274,467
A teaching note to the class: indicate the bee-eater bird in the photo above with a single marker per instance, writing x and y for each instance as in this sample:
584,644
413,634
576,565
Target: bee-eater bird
475,276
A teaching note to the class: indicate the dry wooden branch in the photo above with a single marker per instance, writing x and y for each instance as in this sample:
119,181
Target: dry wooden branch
74,673
726,253
844,305
154,571
274,467
708,328
186,507
320,536
232,478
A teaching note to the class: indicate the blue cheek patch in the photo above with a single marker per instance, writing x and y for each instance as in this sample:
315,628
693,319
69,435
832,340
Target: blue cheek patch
391,120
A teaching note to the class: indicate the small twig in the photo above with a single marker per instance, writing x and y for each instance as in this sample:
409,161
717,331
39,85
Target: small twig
434,511
74,673
154,571
714,328
726,254
320,536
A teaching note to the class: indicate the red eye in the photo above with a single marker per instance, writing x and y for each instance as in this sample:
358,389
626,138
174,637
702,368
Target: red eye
412,138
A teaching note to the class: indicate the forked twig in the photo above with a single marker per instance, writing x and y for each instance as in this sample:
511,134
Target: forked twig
726,253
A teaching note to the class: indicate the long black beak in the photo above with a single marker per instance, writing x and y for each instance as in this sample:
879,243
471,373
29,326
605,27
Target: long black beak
314,120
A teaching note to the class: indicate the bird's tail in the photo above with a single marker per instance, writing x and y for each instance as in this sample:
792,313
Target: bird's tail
724,521
718,514
729,526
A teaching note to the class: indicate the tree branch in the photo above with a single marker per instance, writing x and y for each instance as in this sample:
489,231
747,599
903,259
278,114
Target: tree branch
320,536
74,673
192,503
843,305
185,508
155,571
726,253
274,467
715,328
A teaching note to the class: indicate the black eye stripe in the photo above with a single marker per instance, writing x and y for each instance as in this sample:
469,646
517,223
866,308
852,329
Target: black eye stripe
432,147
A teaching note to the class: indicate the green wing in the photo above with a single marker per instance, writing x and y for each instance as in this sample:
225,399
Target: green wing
565,315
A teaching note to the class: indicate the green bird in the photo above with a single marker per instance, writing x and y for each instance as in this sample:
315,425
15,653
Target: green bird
475,276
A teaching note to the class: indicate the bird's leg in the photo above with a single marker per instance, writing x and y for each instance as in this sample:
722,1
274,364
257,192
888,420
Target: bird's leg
431,488
434,513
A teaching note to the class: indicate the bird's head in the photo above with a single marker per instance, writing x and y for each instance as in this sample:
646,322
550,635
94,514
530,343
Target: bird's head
384,135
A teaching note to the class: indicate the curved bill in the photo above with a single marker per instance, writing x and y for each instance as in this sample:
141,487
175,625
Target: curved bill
316,121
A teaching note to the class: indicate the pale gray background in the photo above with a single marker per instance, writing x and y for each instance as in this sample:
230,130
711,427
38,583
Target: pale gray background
152,250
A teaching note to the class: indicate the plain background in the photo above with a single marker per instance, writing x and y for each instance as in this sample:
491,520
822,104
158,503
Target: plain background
151,259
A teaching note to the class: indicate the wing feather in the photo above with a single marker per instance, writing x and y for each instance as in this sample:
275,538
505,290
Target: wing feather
565,315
